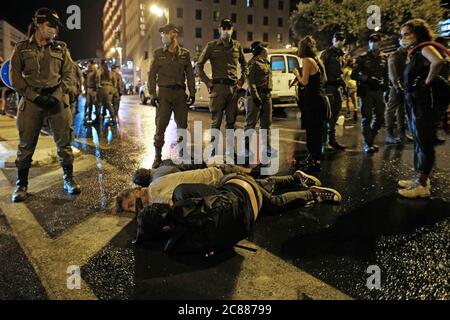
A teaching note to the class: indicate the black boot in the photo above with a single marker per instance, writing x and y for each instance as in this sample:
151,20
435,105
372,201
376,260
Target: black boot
70,185
158,158
20,193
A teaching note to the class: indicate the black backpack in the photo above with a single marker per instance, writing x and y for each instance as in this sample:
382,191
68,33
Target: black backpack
440,85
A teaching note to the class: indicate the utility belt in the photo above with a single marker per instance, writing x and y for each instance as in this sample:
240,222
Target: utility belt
173,87
106,84
46,91
227,82
264,90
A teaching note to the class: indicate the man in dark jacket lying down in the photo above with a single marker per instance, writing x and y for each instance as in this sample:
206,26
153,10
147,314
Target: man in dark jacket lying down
204,217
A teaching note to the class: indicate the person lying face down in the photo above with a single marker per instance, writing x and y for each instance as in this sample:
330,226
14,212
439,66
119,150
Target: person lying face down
164,189
144,177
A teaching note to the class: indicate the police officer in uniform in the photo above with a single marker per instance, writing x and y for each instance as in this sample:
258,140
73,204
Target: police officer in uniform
42,73
260,86
170,69
225,55
371,73
106,84
117,89
91,92
396,104
333,61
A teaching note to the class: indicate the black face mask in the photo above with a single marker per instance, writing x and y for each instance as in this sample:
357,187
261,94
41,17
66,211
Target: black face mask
139,205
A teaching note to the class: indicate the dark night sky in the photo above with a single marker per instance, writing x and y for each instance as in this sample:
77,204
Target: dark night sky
82,43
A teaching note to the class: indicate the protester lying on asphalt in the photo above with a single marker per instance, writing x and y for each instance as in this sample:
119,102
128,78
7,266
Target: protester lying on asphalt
144,177
222,214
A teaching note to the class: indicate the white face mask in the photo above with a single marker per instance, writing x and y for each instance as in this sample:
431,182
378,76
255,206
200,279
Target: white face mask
226,34
405,43
166,39
339,44
49,33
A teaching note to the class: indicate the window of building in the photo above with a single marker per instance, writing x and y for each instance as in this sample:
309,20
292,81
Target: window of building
250,3
180,13
249,36
233,2
250,19
266,4
198,48
234,36
280,22
266,21
216,34
198,33
145,55
216,1
234,17
216,15
198,14
281,5
265,37
279,37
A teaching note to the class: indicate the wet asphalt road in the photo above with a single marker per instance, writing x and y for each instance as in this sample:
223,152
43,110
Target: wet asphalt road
408,240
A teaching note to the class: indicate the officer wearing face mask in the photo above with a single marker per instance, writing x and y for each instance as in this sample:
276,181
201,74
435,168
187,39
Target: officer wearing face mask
171,69
395,109
42,73
225,54
260,87
332,59
371,73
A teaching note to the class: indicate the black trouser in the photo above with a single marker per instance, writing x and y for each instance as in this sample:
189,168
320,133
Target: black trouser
422,121
395,109
372,114
334,94
272,185
315,126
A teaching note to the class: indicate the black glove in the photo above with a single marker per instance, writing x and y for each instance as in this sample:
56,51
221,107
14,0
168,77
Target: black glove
46,102
190,101
155,102
257,100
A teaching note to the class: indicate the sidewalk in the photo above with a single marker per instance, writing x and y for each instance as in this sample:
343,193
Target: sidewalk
9,139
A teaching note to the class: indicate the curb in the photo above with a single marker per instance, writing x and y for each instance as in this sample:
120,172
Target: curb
50,159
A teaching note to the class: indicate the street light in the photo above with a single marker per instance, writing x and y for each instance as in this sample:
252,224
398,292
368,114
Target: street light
159,12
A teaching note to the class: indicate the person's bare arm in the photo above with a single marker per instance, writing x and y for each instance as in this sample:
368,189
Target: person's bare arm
435,58
304,77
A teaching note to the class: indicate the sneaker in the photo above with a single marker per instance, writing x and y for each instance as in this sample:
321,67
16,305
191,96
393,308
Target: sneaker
409,184
326,195
376,148
417,192
327,148
306,180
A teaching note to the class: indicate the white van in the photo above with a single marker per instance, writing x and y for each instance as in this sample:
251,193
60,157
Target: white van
283,62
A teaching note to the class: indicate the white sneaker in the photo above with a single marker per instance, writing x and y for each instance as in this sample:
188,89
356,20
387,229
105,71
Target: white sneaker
308,181
409,184
326,194
416,192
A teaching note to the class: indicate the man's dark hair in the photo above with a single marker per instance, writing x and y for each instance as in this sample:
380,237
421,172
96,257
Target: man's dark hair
122,196
151,221
143,177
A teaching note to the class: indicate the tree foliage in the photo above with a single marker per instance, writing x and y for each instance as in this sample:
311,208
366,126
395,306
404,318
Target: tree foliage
321,18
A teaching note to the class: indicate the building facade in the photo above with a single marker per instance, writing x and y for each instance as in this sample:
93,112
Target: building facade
131,26
9,36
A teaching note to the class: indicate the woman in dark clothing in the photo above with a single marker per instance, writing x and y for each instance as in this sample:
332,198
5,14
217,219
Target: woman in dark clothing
315,105
425,64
